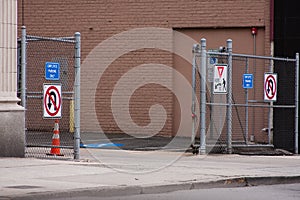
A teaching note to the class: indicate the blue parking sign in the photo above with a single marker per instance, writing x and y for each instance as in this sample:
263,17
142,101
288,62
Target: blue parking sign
247,81
52,71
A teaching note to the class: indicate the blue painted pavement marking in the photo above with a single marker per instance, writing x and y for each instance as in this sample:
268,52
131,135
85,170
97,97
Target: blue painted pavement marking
101,145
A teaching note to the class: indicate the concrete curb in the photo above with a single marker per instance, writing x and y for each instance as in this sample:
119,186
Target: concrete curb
136,190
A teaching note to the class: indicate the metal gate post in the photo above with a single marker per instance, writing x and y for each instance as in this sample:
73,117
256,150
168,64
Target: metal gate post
77,98
297,105
229,98
194,94
202,149
23,67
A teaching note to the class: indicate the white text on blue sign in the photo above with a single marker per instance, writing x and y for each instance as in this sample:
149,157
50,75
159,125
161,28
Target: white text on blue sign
248,81
52,71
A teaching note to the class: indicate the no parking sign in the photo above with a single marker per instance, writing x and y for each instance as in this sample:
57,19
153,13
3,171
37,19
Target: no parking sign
270,87
52,101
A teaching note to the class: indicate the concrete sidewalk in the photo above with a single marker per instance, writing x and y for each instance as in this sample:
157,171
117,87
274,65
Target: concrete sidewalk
119,172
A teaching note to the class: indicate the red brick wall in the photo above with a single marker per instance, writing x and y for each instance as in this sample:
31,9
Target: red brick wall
98,20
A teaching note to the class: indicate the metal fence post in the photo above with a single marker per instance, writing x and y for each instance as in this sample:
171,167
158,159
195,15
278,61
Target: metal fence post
23,67
77,98
297,105
247,107
229,98
202,149
194,95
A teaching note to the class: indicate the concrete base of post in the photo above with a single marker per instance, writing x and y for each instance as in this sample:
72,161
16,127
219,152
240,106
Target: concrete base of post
12,134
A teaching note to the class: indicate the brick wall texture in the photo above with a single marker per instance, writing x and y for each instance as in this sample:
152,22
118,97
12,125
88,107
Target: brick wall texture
99,21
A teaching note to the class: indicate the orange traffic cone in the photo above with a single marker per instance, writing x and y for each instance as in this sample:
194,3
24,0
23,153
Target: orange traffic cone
55,140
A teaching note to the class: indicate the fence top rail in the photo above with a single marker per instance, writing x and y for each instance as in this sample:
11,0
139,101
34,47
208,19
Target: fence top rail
58,39
253,56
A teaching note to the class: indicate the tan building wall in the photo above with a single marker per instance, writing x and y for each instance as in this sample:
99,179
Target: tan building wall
108,53
242,43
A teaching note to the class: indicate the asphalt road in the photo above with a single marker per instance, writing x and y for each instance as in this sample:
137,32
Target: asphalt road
263,192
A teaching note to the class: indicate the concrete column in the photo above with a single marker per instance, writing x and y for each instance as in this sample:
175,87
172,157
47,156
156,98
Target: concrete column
12,116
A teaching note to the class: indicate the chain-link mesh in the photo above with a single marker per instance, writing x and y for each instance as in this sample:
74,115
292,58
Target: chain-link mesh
216,108
252,115
39,130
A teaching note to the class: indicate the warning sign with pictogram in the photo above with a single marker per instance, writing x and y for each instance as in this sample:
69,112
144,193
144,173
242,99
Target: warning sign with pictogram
220,79
270,87
52,101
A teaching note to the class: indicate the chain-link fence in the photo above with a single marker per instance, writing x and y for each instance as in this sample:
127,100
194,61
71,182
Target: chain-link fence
240,99
48,62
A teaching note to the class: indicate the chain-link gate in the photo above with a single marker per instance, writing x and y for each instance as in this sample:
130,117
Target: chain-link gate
239,100
50,63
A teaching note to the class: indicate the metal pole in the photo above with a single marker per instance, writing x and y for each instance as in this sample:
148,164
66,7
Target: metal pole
202,149
193,95
211,125
77,97
297,105
229,98
270,115
23,67
247,108
271,110
252,137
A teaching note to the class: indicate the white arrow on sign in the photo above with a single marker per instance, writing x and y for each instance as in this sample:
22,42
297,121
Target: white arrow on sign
270,87
52,101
